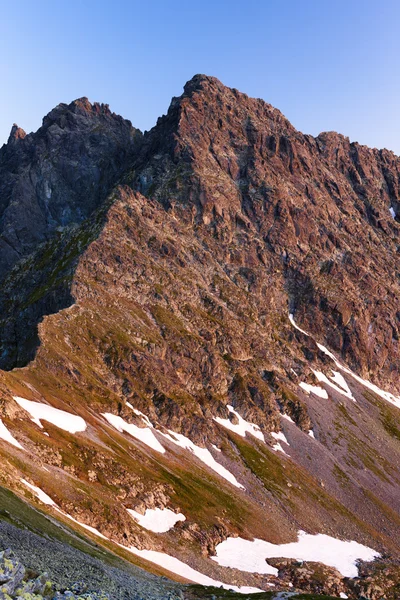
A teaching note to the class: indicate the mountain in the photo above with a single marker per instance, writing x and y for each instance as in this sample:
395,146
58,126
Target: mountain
214,306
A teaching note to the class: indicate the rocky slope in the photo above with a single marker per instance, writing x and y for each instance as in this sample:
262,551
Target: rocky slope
180,255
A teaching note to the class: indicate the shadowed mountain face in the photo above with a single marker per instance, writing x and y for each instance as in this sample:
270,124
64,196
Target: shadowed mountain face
181,254
50,182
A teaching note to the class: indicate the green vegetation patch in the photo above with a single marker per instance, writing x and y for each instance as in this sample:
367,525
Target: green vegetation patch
199,591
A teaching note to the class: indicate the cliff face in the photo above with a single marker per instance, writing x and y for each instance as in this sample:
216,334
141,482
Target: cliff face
180,255
317,209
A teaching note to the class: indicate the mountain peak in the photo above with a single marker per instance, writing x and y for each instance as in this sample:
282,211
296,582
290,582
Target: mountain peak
84,105
80,110
16,134
200,82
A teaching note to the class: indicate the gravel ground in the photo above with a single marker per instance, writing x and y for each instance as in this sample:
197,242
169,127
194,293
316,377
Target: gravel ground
65,565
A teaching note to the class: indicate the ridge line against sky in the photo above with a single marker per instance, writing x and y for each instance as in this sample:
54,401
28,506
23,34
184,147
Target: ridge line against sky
326,66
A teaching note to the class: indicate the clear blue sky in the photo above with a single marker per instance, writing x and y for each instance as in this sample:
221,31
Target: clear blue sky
326,64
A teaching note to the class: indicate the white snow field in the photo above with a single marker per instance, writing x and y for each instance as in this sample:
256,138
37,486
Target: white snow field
60,418
242,426
202,454
158,520
251,555
8,437
143,434
174,565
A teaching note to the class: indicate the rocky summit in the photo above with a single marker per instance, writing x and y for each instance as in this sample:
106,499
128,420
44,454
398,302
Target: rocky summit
199,344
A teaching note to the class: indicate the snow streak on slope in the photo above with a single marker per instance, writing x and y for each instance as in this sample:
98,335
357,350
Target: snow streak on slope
8,437
146,435
281,437
60,418
202,454
178,567
87,527
287,418
251,555
371,386
293,322
40,494
143,434
43,497
341,390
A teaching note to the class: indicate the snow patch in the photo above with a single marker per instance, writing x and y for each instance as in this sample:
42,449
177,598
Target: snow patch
279,436
158,520
341,382
278,448
174,565
8,437
143,434
314,389
202,454
392,212
288,418
251,556
311,434
371,386
137,412
242,426
342,595
60,418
